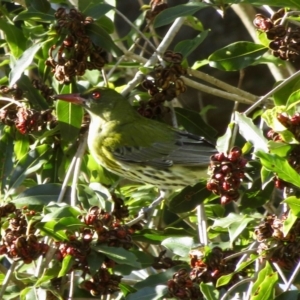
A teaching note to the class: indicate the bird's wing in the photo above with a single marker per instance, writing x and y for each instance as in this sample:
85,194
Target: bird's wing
160,146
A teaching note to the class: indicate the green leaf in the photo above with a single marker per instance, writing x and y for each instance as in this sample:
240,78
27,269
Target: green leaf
97,10
294,203
289,295
67,264
223,141
209,291
29,293
251,132
22,63
179,245
236,228
49,273
281,3
190,197
236,56
38,195
156,279
95,260
29,164
289,221
89,197
6,156
101,38
264,286
235,224
21,145
69,224
194,22
39,5
35,15
225,279
36,100
119,255
256,196
193,122
69,117
48,229
14,37
126,289
168,15
281,96
280,166
61,210
154,293
293,100
186,47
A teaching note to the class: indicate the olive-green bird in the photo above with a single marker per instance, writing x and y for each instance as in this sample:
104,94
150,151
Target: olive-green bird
137,148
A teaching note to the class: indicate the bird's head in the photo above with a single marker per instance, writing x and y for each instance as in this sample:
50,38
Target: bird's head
97,101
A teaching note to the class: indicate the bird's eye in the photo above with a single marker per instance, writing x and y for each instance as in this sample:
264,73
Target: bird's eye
96,95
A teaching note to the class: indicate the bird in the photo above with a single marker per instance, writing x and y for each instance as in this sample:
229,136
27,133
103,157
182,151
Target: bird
138,148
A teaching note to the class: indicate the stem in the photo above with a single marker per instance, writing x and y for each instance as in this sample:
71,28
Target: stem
202,225
66,179
7,278
226,295
222,85
11,101
215,92
292,278
153,59
135,28
144,210
276,89
79,154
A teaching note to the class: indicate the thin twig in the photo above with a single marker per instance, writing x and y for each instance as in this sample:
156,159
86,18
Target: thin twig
17,282
292,278
7,278
202,224
222,85
216,92
226,295
6,99
79,154
278,269
276,89
143,212
66,179
136,29
71,285
153,59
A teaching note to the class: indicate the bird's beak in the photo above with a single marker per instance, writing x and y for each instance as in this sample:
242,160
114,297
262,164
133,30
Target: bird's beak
72,98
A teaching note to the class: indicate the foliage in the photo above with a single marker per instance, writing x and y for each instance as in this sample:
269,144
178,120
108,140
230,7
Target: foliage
71,229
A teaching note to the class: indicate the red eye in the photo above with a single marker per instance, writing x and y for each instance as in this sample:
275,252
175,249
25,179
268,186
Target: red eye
96,95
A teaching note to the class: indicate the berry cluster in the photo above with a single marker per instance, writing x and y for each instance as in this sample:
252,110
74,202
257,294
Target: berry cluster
108,228
165,85
274,245
102,283
100,227
285,42
45,90
208,268
19,243
77,52
14,92
156,6
27,120
164,262
227,173
292,123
